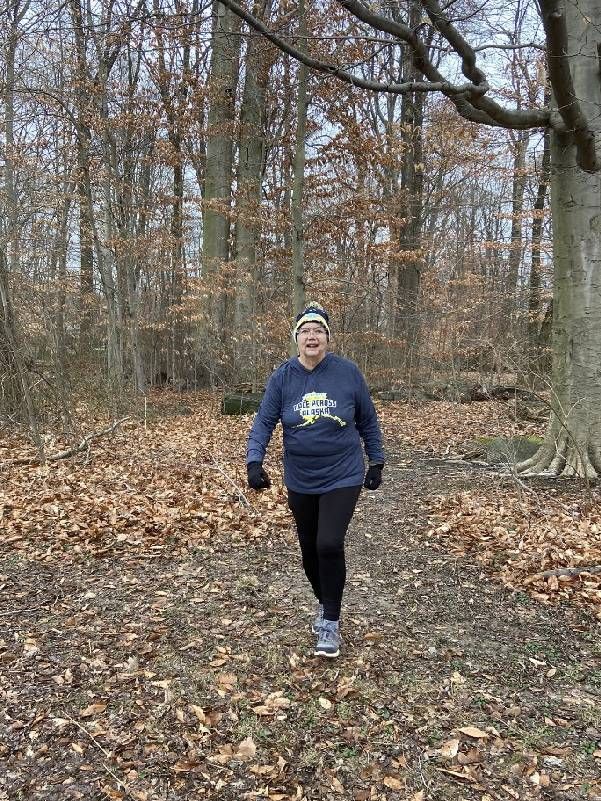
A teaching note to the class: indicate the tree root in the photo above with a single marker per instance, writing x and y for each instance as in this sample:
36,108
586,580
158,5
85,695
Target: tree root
563,457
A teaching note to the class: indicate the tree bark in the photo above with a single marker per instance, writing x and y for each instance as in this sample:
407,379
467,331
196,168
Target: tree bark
410,229
298,179
572,444
534,293
219,160
251,149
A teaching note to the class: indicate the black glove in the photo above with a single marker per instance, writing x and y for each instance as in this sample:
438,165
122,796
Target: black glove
373,477
257,477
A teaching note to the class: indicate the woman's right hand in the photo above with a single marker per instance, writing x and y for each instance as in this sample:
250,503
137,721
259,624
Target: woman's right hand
257,477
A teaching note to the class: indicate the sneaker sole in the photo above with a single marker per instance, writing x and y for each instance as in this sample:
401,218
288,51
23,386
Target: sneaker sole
328,654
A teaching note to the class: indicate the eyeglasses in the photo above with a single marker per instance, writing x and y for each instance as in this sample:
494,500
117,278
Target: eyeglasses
305,332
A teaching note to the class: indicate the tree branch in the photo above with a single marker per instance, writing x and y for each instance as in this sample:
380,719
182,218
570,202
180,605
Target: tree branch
470,103
82,446
441,85
560,76
469,98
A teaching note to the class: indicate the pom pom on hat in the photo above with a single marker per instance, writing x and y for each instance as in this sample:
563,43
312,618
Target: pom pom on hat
313,313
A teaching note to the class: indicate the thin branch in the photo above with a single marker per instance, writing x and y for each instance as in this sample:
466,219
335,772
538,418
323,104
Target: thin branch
527,46
120,782
95,741
20,611
241,495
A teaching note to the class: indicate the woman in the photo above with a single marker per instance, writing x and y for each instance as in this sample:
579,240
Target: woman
325,409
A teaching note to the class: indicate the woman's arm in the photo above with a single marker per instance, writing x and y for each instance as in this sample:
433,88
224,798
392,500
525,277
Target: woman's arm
366,421
265,421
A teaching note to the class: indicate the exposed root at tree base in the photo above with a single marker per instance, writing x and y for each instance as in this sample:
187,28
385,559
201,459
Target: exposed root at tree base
563,457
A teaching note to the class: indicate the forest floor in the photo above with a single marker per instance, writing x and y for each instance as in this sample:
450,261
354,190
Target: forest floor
155,624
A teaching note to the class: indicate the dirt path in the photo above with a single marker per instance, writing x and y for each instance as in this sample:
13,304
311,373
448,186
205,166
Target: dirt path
157,679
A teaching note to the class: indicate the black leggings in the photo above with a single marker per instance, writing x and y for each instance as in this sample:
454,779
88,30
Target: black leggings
321,522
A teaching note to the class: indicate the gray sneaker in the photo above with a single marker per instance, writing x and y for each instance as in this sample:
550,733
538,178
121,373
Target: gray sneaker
318,622
329,640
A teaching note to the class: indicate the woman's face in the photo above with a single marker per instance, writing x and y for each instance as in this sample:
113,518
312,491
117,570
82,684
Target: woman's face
312,341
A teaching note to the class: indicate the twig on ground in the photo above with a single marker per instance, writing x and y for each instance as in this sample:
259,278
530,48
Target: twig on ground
564,571
120,782
20,611
72,451
91,736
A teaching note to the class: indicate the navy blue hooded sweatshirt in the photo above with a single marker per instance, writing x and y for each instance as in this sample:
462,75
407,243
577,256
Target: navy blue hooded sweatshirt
325,412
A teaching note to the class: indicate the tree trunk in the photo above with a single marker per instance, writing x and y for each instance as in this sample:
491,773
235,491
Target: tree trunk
409,243
16,381
572,445
248,207
219,160
298,180
84,194
520,146
534,295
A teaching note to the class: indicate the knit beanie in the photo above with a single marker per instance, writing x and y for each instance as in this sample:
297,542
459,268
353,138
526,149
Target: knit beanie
313,313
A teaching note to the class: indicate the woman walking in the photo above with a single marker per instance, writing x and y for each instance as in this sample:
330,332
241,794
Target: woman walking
325,409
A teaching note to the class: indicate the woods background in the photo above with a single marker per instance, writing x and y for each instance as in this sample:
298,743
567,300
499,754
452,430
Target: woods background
174,187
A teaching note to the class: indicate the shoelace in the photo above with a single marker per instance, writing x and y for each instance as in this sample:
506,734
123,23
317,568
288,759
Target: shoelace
330,634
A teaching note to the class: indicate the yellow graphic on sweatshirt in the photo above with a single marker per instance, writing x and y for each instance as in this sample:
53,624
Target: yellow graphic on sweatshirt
315,405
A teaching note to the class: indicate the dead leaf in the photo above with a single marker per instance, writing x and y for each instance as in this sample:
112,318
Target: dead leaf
325,703
474,731
198,711
392,783
93,709
77,748
246,749
449,749
471,757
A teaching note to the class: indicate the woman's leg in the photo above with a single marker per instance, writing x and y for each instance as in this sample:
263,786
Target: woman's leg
335,512
305,509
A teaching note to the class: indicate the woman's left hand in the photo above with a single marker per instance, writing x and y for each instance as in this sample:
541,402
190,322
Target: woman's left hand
373,477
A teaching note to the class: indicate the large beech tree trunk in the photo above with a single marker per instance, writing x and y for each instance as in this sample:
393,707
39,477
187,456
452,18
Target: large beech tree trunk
573,442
